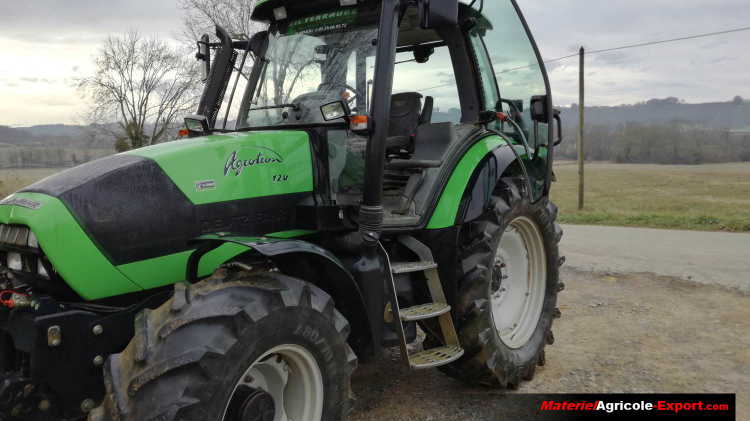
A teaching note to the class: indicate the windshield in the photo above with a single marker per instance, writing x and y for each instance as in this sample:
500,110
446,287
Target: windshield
312,62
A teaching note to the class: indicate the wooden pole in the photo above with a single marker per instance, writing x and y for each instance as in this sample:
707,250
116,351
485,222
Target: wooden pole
581,110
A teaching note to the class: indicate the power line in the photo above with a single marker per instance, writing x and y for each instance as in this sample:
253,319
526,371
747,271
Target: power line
642,44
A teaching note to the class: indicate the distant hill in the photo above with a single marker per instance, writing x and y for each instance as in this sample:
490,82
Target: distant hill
664,131
52,146
56,135
732,115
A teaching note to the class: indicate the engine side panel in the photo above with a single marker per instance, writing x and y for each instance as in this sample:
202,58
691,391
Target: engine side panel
236,166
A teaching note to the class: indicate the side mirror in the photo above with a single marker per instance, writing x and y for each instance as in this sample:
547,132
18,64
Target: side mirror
539,109
204,54
334,110
259,43
197,125
437,13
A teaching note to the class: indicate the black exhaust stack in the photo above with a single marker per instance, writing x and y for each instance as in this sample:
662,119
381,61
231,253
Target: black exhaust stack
218,79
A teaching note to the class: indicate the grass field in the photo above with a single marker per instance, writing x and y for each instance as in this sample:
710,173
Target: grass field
14,179
703,197
713,197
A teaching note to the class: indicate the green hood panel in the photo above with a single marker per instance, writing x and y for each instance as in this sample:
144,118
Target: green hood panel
122,224
233,166
85,269
72,253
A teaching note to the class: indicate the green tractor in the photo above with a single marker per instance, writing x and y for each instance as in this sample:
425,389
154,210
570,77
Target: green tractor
354,174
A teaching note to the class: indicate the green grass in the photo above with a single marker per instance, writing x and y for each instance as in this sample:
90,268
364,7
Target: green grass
713,197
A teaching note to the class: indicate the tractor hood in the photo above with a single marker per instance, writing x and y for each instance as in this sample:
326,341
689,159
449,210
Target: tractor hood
150,202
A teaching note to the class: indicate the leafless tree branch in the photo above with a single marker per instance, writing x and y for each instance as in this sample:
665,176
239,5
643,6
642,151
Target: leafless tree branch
143,84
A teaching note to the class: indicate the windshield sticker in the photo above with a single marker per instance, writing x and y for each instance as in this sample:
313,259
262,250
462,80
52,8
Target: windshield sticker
236,163
326,22
20,201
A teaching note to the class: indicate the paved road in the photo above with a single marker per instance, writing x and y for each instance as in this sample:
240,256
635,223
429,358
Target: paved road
704,257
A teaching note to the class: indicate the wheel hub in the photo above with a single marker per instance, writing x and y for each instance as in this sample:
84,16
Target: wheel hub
284,384
258,406
518,285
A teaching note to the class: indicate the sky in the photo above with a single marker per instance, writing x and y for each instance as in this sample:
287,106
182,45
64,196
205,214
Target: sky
46,44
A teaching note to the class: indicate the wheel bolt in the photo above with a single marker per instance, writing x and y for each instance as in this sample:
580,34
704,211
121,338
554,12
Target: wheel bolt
87,405
54,336
44,405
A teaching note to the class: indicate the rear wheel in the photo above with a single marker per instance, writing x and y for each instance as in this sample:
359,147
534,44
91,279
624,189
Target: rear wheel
237,347
508,291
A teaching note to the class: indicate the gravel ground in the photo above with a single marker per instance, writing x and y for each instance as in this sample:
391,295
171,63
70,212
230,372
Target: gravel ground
618,333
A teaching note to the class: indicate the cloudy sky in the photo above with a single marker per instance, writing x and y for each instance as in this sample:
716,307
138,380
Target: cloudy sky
46,44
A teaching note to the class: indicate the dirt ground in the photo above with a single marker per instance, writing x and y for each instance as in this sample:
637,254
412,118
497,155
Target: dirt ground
619,334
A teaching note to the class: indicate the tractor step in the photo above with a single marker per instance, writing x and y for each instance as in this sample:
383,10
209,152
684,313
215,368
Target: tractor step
439,308
410,267
424,311
435,357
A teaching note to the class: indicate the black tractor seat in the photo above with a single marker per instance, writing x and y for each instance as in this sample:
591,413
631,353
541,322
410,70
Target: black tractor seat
430,144
407,114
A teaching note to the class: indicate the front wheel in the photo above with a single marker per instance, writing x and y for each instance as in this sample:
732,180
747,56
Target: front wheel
237,347
508,292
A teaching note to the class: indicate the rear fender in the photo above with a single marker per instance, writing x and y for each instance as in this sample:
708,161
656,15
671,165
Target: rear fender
478,194
305,261
469,188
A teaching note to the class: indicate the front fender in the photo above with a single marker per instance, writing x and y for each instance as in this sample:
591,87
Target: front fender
306,261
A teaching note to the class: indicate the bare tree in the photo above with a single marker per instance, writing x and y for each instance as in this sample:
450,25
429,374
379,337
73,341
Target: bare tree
144,85
233,15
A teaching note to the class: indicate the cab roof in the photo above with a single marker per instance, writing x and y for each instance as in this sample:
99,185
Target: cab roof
264,8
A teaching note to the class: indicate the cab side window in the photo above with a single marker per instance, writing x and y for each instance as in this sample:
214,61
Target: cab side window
518,72
504,49
435,79
490,92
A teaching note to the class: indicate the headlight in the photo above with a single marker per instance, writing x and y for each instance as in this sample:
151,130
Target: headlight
41,270
14,261
33,242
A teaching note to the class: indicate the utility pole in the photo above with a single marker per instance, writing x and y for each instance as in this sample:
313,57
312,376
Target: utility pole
581,111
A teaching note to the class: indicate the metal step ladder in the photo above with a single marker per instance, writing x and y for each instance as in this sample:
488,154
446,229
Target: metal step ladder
438,308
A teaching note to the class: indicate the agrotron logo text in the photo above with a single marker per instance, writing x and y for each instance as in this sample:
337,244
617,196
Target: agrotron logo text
239,160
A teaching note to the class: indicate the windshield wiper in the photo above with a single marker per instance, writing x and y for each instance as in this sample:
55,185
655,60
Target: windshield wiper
295,107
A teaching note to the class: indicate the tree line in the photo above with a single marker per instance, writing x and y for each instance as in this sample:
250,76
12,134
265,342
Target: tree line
672,143
47,157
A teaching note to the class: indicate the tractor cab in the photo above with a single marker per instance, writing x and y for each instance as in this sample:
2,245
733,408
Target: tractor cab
393,94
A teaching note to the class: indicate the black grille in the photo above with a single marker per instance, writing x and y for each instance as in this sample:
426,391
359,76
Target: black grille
14,234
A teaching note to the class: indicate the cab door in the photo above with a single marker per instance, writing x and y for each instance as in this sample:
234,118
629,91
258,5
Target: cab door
513,76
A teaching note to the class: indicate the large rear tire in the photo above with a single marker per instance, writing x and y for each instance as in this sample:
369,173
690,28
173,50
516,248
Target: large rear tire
237,346
509,280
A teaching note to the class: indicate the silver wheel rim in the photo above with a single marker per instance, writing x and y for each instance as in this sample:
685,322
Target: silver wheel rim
519,282
291,376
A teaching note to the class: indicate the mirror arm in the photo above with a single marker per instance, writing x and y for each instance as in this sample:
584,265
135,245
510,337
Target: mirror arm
558,120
